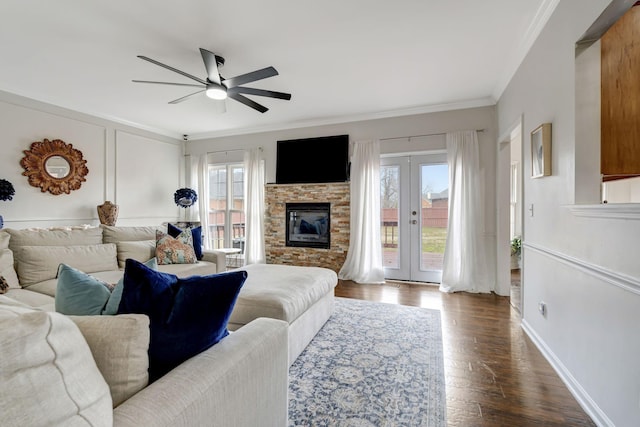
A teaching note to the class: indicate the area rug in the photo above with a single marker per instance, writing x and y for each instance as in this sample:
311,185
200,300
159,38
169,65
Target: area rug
372,364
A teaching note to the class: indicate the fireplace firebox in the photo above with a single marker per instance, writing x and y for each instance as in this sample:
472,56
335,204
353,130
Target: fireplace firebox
308,225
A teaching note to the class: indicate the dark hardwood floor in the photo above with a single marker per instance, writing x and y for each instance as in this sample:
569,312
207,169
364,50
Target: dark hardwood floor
495,376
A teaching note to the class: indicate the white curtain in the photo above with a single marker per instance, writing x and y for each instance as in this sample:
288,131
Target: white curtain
465,261
203,198
254,252
364,259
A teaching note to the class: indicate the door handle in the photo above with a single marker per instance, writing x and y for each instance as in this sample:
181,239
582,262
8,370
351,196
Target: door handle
414,221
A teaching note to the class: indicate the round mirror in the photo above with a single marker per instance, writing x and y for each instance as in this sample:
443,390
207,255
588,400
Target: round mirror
57,166
54,166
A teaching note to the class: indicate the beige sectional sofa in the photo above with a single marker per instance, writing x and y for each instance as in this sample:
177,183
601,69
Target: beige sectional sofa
241,381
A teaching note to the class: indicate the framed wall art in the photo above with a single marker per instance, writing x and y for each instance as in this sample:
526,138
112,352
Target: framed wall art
541,151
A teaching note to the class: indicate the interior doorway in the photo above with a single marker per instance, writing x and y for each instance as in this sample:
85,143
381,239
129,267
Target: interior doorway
510,199
414,216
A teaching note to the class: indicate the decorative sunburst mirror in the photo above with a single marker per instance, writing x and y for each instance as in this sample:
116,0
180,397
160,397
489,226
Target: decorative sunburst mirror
54,166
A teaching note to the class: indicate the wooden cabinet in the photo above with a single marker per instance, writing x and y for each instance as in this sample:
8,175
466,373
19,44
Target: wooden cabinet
620,92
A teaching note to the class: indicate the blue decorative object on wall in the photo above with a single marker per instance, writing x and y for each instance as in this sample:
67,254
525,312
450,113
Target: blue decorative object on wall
6,190
185,197
6,193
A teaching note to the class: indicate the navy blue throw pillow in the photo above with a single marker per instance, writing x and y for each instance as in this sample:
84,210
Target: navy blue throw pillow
196,233
187,315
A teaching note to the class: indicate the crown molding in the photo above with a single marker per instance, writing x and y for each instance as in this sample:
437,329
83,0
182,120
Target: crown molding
535,28
461,105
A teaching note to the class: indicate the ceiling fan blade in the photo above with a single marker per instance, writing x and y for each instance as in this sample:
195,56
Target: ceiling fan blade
250,77
211,65
166,83
175,70
249,103
260,92
176,101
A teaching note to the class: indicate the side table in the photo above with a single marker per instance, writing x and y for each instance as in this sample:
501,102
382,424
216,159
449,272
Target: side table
233,257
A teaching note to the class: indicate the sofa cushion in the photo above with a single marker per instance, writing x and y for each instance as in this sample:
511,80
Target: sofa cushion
200,268
6,268
186,315
119,345
196,233
32,299
281,291
80,293
175,250
142,250
115,234
26,237
38,263
57,381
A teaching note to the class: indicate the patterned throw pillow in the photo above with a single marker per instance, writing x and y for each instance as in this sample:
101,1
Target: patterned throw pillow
196,233
178,250
4,285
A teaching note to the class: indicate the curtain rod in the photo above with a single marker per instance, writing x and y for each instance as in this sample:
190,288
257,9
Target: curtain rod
419,136
230,151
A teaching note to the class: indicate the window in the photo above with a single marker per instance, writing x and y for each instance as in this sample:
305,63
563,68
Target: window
226,206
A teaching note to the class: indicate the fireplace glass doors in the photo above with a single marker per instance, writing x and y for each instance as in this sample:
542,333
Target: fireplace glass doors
308,225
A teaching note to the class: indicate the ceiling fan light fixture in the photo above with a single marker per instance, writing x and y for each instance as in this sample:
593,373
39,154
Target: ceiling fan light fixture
215,91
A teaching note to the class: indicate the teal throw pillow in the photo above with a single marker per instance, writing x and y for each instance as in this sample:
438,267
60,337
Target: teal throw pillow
79,293
114,300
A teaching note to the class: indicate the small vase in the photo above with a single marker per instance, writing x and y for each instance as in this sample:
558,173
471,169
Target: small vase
108,213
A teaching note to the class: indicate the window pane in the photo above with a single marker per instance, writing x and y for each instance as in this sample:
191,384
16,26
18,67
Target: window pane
434,216
238,188
218,187
237,232
389,193
217,220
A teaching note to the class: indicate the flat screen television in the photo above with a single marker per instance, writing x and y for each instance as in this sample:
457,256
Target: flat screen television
313,160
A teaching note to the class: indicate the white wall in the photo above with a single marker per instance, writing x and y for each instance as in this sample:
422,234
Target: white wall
135,169
585,269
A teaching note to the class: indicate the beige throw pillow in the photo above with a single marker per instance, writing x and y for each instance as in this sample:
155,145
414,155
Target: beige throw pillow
119,345
47,373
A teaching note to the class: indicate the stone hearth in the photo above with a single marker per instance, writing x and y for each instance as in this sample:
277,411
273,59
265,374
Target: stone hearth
276,198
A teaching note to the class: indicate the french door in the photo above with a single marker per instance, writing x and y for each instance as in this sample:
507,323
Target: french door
414,198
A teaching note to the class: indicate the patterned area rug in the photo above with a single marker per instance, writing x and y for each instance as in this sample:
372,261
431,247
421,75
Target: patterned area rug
371,365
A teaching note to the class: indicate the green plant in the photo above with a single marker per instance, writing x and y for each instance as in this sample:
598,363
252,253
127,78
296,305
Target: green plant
516,246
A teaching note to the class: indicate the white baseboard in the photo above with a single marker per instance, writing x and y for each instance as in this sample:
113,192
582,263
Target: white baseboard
583,398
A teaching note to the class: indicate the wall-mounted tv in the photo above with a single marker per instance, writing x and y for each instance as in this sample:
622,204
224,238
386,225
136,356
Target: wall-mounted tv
313,160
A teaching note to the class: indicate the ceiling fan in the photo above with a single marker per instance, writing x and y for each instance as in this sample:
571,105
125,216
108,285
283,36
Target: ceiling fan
217,87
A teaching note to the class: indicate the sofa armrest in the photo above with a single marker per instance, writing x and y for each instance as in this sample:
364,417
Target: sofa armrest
241,381
216,257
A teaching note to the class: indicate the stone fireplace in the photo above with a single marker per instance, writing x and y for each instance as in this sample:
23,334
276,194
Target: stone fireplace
322,240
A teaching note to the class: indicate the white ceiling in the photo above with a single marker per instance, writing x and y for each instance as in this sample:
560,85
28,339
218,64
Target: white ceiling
340,59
